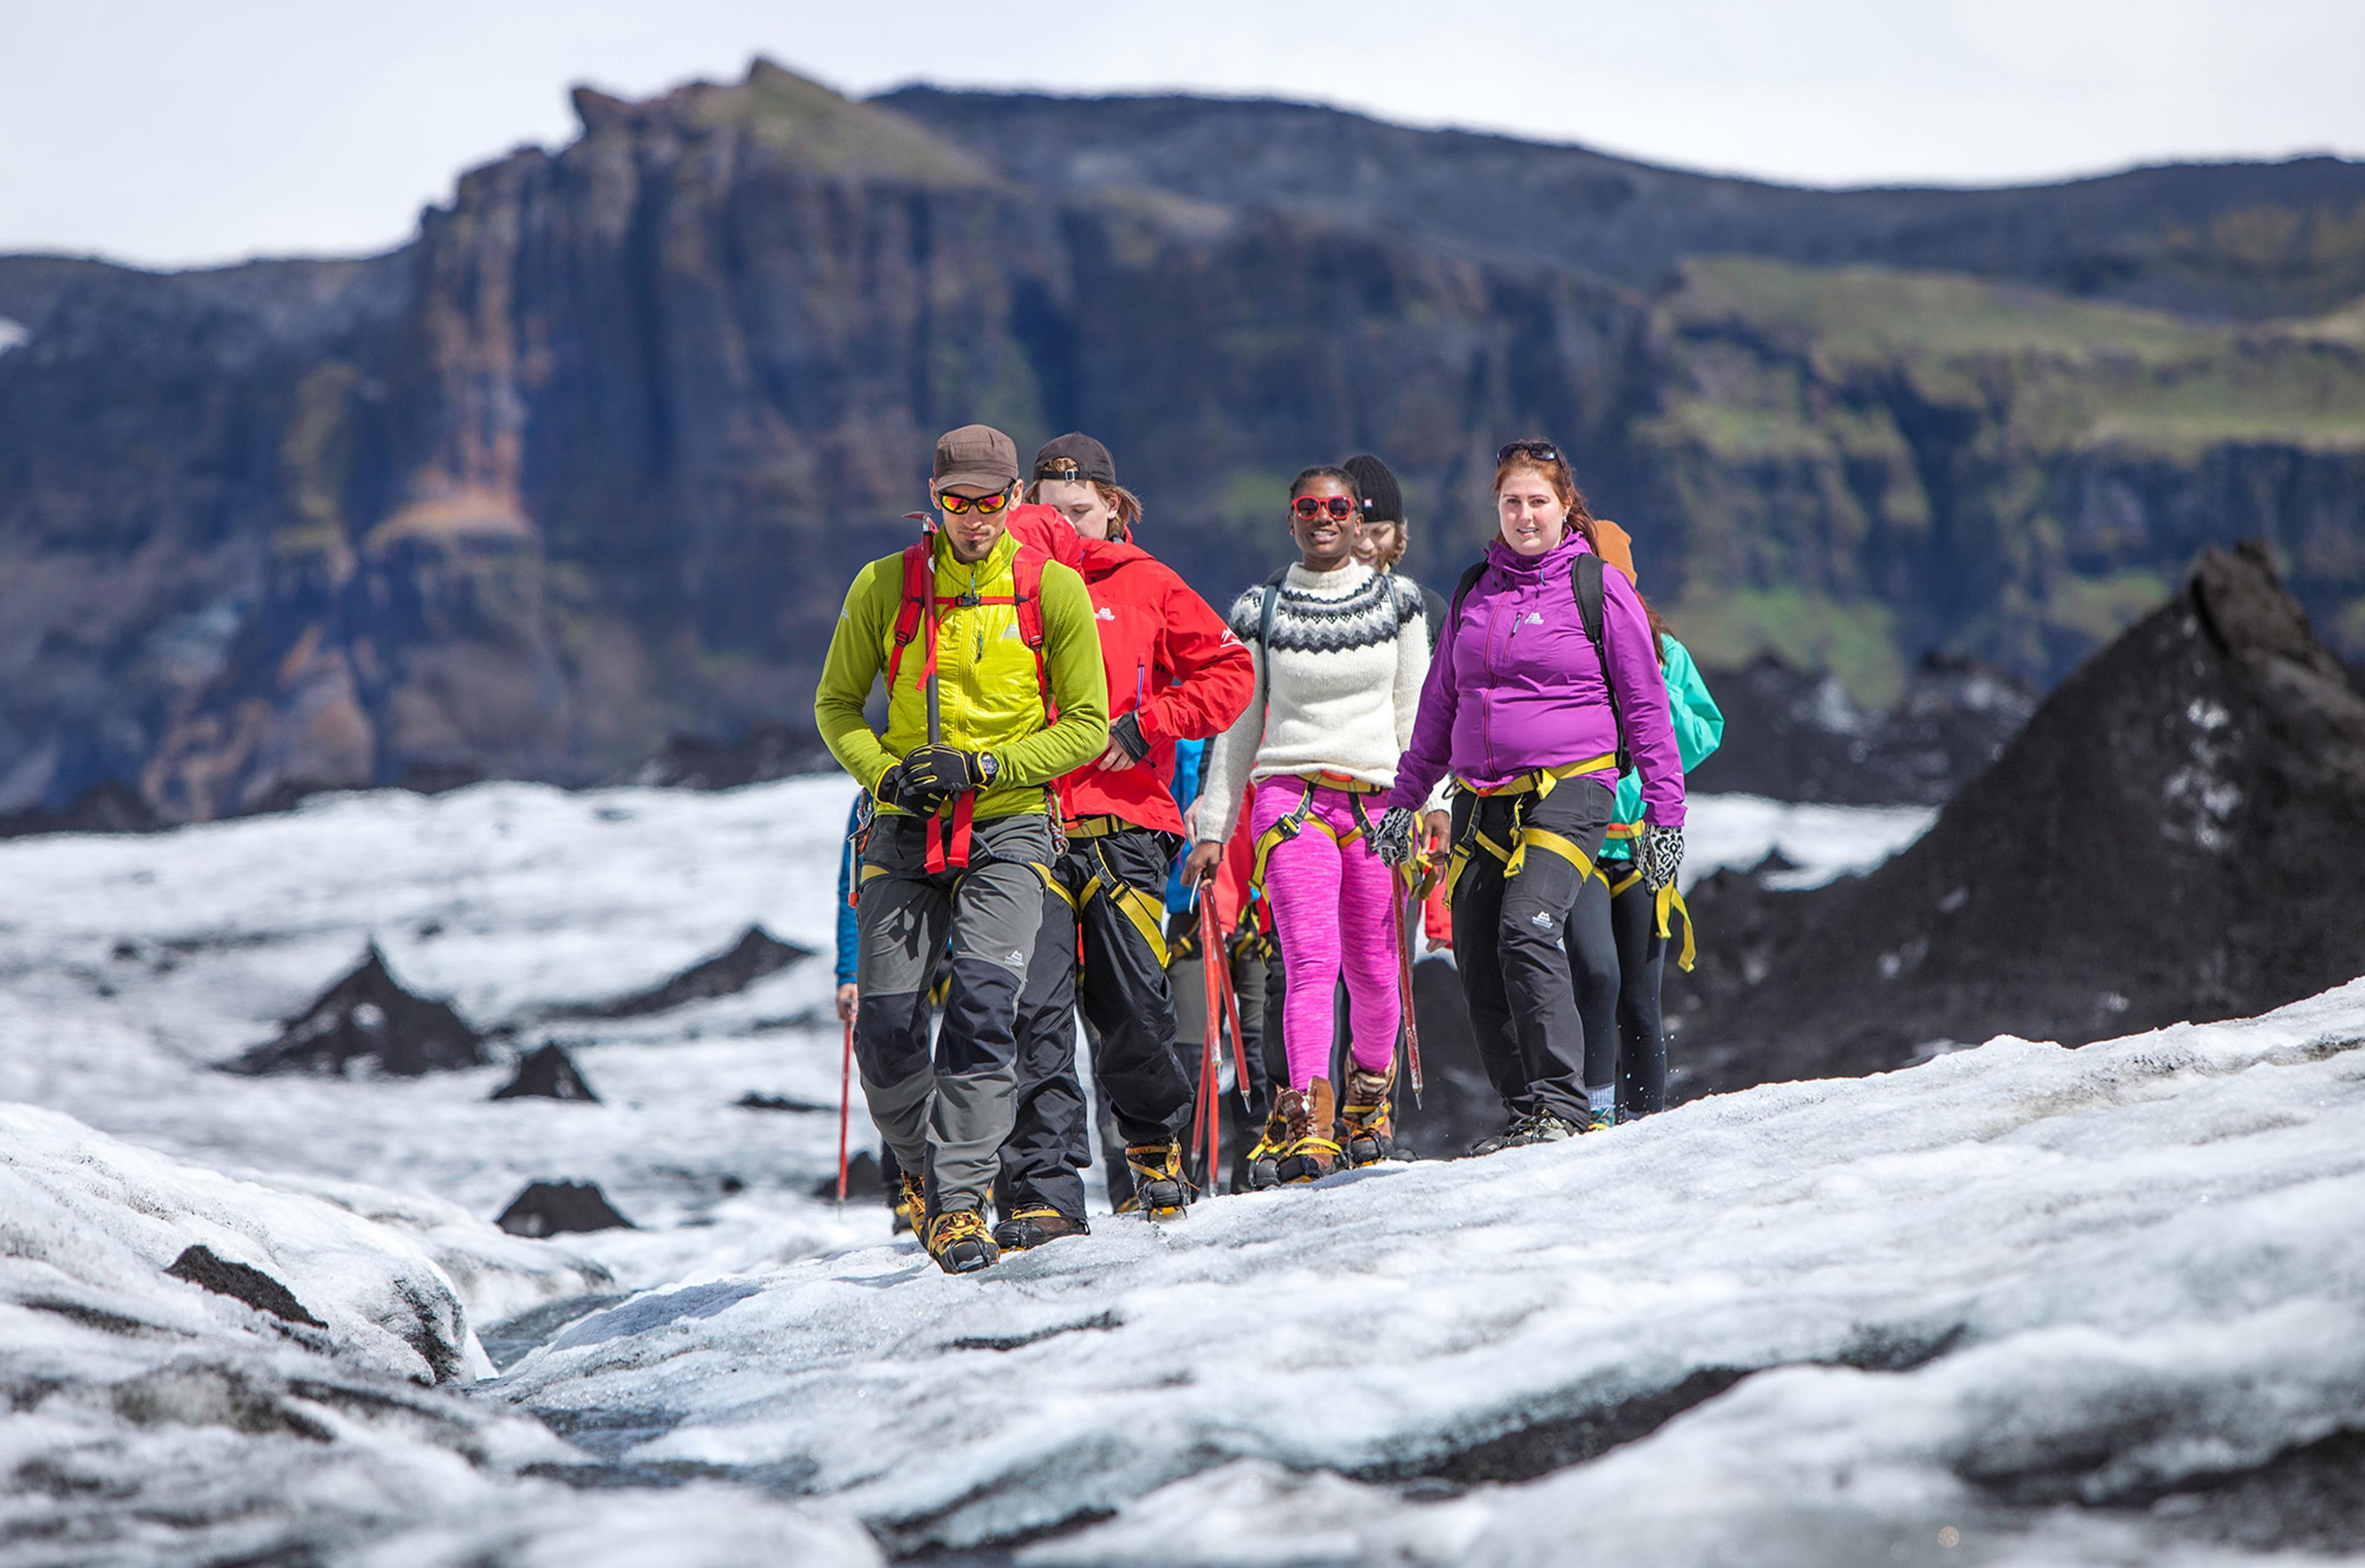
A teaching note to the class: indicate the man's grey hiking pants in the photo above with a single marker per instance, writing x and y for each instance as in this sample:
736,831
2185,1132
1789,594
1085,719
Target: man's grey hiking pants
945,1114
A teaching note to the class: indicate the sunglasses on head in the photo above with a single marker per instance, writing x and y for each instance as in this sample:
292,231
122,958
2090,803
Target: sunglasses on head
1542,451
1311,506
986,505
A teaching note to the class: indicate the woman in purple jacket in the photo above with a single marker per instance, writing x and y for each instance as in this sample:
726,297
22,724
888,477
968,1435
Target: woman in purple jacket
1527,710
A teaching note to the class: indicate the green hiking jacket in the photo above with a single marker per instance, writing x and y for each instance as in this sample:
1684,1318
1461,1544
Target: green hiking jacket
989,698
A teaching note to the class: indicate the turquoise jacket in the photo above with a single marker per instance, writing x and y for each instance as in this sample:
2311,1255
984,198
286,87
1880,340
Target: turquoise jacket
1699,727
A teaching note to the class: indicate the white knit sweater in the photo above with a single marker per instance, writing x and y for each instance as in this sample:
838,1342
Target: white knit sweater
1349,652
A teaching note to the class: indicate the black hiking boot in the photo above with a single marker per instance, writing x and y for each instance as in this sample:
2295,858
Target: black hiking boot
1157,1180
1367,1127
1034,1225
1265,1155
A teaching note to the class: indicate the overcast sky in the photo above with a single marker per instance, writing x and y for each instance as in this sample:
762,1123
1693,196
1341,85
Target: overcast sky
169,132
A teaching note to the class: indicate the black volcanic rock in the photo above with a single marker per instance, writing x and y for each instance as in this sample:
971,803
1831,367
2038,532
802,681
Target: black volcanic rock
546,1072
2174,836
207,1270
1458,1104
865,1181
1793,735
757,953
554,1208
106,807
371,1021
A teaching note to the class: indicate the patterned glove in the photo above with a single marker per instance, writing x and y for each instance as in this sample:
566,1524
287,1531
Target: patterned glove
1662,856
1392,840
1125,730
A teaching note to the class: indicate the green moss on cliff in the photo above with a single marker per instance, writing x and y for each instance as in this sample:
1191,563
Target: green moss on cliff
1855,641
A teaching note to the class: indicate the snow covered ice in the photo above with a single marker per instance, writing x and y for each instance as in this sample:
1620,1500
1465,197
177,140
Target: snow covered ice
2018,1303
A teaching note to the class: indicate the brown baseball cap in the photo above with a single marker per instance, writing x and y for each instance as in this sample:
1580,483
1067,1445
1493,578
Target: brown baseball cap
977,456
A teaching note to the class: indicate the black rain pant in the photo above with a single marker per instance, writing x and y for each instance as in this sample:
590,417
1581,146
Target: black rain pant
1107,907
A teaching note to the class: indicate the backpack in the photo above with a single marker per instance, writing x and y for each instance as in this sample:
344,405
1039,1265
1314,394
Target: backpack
921,602
950,850
1584,581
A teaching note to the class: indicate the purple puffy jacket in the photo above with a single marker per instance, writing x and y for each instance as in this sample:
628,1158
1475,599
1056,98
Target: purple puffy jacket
1517,685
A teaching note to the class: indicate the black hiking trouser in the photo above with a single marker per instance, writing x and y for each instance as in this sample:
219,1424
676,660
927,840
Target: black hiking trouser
945,1110
1594,971
1507,937
1642,965
1107,900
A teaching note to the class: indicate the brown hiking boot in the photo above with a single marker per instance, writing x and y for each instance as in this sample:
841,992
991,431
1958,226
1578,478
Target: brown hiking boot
1310,1152
1366,1125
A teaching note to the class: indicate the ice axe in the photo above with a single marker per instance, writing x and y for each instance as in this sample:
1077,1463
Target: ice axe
845,1107
1407,913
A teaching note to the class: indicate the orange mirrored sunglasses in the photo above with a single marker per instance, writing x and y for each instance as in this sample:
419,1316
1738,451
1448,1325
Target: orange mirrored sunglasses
986,505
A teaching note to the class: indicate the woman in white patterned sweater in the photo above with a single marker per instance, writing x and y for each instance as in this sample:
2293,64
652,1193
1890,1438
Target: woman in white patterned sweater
1339,679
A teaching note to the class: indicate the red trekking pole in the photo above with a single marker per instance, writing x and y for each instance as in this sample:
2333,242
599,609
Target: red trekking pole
845,1107
1212,942
1204,1133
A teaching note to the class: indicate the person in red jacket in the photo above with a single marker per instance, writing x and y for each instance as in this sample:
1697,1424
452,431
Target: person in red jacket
1175,672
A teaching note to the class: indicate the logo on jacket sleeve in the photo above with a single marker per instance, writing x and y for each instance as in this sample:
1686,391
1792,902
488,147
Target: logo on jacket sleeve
1104,613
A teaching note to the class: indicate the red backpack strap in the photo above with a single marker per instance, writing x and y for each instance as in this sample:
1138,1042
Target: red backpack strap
1026,589
919,579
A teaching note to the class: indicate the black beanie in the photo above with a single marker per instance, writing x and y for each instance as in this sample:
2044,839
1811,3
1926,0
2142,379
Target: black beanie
1381,501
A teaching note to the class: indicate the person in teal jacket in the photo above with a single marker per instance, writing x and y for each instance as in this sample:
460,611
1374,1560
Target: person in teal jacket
1625,978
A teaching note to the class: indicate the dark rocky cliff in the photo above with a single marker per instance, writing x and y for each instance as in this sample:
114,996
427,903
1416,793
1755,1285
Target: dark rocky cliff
587,463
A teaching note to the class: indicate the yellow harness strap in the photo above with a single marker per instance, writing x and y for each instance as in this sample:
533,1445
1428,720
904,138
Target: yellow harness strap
1550,843
1542,781
1096,826
1291,825
1668,899
1622,883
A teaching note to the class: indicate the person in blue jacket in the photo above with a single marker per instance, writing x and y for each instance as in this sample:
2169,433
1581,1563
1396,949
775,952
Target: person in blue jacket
1623,980
849,997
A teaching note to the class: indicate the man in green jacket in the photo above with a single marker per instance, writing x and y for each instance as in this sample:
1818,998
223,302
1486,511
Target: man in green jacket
993,646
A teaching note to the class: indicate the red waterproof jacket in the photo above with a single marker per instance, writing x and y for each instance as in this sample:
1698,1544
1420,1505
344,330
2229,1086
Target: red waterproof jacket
1170,659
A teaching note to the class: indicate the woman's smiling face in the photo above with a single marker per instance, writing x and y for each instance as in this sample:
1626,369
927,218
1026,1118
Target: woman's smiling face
1533,516
1326,539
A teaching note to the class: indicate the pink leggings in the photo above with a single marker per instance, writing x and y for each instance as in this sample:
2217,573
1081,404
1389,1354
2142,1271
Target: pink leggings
1334,907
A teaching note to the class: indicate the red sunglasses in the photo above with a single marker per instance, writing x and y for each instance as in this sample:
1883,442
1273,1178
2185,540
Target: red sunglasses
1311,506
986,505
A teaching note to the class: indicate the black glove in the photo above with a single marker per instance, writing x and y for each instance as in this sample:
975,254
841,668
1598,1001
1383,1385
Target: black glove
1662,855
1393,838
899,788
940,772
1125,730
